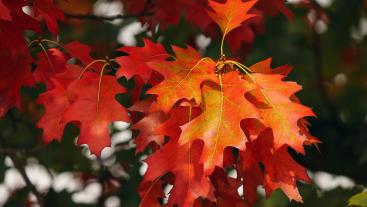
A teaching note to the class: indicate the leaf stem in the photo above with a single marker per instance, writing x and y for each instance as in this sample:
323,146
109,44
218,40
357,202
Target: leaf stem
100,85
244,69
221,46
32,42
53,42
104,18
238,63
223,37
89,65
45,51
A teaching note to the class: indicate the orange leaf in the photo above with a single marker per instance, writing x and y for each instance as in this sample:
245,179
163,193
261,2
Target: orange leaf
178,117
231,14
183,78
281,114
219,124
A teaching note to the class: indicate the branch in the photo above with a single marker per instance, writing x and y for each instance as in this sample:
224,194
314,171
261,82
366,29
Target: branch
317,69
102,178
104,18
22,151
12,153
18,165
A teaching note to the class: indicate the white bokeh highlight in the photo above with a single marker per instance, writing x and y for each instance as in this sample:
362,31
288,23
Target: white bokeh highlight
108,9
126,35
89,194
327,181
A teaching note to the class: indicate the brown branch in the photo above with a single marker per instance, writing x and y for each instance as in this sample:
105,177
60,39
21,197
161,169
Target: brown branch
104,18
13,154
22,151
320,82
102,178
19,166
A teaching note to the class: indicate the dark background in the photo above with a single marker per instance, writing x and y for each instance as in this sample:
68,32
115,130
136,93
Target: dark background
329,61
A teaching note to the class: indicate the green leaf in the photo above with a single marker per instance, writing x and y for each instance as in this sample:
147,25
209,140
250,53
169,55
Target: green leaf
359,200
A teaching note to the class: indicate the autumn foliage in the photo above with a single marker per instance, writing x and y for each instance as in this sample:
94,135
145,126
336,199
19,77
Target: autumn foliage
199,118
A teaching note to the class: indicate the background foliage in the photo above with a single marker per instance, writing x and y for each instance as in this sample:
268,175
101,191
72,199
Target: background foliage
329,60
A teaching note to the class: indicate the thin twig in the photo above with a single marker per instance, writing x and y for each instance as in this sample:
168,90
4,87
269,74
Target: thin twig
320,80
105,18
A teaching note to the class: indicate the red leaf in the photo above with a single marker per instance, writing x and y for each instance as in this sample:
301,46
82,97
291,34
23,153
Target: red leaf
50,13
178,116
4,12
80,51
15,72
182,161
136,62
226,189
48,65
133,7
95,108
150,193
17,16
55,101
273,7
146,128
280,170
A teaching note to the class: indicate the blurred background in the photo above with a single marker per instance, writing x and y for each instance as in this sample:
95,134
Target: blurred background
325,42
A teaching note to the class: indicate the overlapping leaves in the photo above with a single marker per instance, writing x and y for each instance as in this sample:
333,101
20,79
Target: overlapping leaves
252,110
227,103
205,116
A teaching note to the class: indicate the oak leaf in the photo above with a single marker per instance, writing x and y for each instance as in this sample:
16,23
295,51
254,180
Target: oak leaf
231,14
281,114
178,116
50,13
151,192
95,108
55,102
136,62
265,68
183,78
219,125
226,189
280,170
15,73
49,63
146,128
79,51
182,161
